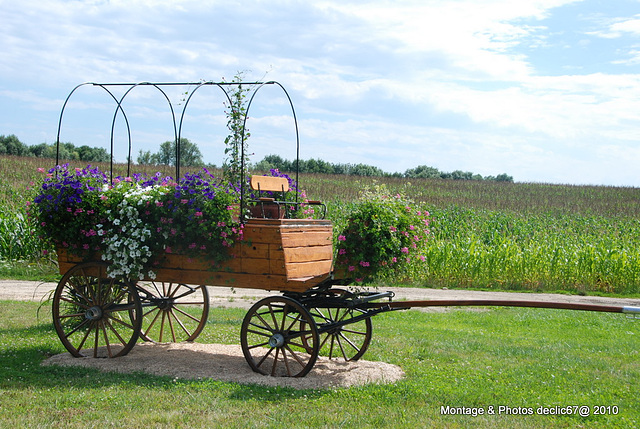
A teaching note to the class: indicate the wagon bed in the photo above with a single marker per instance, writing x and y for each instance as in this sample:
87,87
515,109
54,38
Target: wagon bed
288,255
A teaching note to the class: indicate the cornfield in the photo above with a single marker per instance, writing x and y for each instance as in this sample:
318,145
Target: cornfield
518,236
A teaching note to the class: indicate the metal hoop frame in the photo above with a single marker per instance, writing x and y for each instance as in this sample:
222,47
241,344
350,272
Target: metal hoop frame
177,125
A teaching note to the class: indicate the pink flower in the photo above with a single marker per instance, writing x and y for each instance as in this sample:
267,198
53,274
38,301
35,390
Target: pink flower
393,229
183,201
342,238
411,227
198,214
422,258
159,203
167,249
342,252
405,250
40,170
103,197
364,263
351,268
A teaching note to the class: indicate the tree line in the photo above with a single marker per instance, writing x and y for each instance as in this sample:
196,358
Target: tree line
11,145
190,156
324,167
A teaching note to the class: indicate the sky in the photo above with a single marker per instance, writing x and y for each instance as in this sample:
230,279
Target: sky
542,90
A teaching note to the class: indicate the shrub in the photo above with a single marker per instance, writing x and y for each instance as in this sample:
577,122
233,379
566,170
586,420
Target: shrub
383,235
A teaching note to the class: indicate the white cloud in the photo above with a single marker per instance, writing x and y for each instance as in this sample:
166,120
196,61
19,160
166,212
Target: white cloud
443,83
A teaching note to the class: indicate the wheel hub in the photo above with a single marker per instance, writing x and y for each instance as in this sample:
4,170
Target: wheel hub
94,313
163,303
276,340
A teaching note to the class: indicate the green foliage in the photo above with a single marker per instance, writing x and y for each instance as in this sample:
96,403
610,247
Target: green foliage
11,145
236,141
323,167
317,166
383,237
190,155
17,239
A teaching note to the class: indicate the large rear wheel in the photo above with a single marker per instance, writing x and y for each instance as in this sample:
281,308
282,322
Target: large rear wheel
95,315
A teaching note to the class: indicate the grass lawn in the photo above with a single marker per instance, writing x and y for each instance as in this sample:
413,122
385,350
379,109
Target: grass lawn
521,359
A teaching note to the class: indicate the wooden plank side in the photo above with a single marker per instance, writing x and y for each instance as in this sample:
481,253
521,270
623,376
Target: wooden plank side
239,280
308,269
308,254
261,234
312,238
254,250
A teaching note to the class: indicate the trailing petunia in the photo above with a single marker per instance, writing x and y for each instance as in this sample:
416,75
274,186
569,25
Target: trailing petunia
133,221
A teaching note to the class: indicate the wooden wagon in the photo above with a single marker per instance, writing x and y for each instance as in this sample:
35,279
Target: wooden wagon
97,315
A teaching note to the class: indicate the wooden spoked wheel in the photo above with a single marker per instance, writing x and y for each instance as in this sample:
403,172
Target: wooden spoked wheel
95,315
349,341
172,312
279,338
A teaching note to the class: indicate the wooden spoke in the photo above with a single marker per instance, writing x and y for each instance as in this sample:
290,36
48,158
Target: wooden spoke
95,315
349,341
174,312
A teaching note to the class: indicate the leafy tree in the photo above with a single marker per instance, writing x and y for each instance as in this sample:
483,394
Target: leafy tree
93,154
146,158
423,172
190,155
504,178
365,170
11,145
461,175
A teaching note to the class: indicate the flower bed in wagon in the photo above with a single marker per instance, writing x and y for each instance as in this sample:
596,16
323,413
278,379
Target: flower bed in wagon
154,228
135,221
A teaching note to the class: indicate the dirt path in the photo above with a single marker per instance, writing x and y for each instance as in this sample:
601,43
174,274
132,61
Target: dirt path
244,298
227,363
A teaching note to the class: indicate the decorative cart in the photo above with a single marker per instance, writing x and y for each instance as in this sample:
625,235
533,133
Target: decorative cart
98,314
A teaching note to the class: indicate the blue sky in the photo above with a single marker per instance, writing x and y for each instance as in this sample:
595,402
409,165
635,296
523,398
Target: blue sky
545,91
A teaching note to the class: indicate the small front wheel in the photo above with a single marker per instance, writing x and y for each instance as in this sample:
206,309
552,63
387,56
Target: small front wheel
94,314
279,338
345,333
